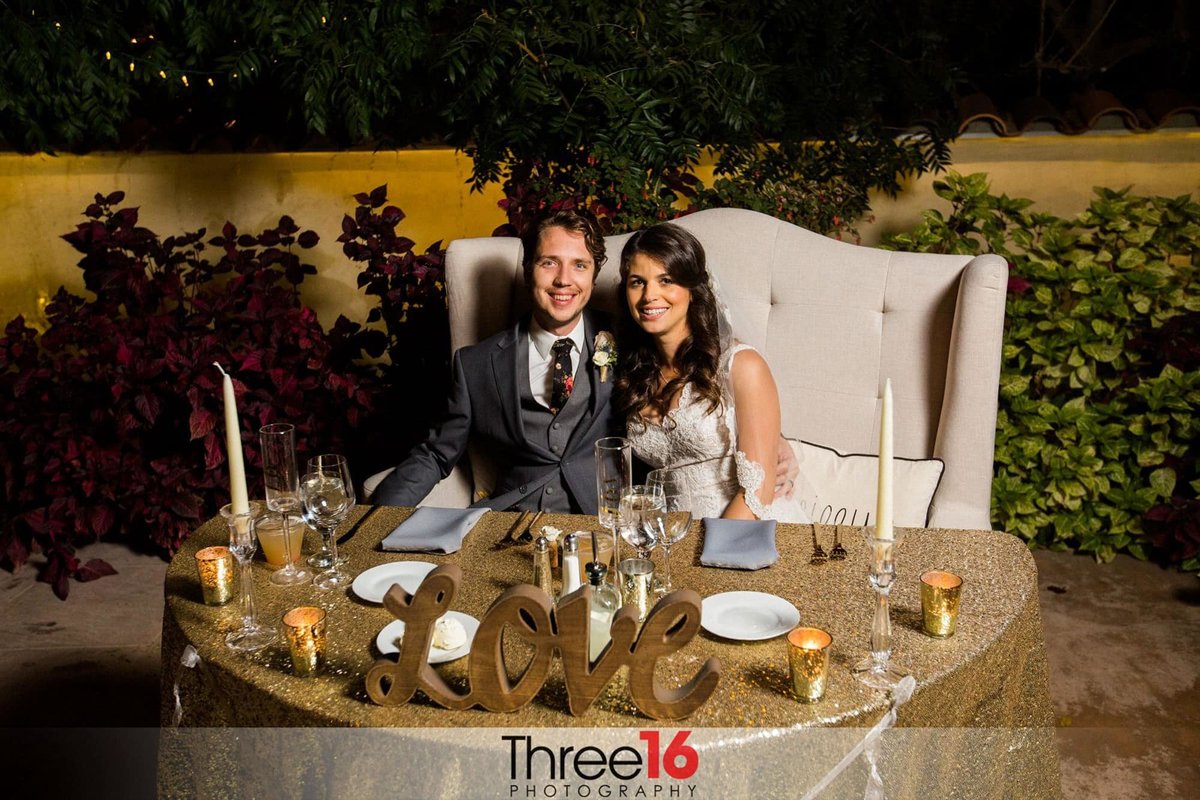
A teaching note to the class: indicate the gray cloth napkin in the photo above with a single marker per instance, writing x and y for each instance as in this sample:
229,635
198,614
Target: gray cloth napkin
433,529
739,543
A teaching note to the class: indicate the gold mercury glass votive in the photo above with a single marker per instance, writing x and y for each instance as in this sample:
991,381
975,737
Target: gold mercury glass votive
637,583
808,656
215,567
305,629
940,593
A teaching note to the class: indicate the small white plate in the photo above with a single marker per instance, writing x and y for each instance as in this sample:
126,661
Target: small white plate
372,584
747,616
385,642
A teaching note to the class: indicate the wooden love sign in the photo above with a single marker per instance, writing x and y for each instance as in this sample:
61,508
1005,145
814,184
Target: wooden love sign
671,625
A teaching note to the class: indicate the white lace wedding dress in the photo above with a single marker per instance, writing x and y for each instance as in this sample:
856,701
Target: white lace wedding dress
702,447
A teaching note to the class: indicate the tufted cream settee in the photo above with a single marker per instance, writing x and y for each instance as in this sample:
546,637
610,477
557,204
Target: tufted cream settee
833,321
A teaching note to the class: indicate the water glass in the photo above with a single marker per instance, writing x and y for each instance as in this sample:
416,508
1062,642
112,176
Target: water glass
328,494
678,517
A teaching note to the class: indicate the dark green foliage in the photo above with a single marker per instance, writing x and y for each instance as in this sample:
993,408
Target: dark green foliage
1097,443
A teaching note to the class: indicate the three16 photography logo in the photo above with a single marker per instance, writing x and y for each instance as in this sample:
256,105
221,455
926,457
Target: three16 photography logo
658,765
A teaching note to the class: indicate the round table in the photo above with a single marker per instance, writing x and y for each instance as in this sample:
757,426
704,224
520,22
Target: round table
990,676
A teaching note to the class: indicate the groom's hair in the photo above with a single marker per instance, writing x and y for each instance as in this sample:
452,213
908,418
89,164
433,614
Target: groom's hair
574,220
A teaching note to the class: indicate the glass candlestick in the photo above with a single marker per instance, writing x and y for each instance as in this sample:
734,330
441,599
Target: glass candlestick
242,543
874,670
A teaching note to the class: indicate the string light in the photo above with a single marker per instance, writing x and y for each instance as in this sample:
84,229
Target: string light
184,79
210,82
131,66
107,55
162,74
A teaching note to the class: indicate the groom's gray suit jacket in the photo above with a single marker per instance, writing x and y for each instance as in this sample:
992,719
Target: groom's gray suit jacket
542,461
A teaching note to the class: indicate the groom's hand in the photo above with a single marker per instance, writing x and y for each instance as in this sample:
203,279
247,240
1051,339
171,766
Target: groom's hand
786,470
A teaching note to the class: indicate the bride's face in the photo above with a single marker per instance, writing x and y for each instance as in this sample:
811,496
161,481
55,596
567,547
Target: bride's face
658,304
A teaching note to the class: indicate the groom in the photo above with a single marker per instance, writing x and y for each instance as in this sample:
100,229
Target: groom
529,396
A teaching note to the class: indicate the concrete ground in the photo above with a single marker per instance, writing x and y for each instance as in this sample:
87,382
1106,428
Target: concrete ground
1123,641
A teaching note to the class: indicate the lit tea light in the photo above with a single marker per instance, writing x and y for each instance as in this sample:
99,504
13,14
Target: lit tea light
215,568
808,656
940,593
305,629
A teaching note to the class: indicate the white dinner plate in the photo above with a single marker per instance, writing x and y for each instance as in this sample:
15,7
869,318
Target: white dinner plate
372,584
747,616
385,642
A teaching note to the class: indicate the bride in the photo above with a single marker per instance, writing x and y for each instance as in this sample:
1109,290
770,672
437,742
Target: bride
695,400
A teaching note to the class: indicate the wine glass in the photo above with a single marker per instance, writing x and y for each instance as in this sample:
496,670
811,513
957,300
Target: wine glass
614,474
640,517
328,494
282,483
253,635
677,519
331,463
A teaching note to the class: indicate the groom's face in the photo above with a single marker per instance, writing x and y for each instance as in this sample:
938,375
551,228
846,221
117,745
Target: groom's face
561,279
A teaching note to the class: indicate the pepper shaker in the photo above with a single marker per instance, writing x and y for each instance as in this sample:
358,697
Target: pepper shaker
542,577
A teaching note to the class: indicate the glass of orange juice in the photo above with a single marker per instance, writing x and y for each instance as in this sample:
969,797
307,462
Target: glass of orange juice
270,537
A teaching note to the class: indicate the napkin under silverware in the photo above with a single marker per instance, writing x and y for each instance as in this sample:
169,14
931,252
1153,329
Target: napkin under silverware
441,529
739,543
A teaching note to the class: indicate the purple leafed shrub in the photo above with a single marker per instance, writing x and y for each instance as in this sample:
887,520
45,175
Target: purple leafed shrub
111,420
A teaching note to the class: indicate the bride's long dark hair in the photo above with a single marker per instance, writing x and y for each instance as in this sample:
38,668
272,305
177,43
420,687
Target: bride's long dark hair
638,385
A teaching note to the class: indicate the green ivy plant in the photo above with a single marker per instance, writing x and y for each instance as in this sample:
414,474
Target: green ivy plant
1097,442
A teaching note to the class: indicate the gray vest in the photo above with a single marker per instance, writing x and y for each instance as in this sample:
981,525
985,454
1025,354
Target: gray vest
552,431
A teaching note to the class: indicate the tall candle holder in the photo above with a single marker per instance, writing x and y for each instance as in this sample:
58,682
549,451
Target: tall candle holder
242,543
874,670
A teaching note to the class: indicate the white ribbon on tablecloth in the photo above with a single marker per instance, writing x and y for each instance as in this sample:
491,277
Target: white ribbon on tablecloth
189,659
874,791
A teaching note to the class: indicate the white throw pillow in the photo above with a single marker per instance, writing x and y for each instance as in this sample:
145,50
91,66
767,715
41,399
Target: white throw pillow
840,488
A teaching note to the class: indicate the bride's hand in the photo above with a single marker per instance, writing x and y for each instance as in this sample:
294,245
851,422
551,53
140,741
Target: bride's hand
786,470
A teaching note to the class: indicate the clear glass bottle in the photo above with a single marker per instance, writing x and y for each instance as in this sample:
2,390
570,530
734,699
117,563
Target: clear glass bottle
605,603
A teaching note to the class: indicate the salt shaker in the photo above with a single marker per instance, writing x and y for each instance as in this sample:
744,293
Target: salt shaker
572,579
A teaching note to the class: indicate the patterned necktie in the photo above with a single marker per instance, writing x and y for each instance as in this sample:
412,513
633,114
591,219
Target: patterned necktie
564,375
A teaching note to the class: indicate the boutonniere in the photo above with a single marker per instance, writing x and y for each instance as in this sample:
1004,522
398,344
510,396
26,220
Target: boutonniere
605,354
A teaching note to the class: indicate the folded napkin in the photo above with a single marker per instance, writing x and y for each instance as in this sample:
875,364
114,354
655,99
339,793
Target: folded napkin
433,529
739,543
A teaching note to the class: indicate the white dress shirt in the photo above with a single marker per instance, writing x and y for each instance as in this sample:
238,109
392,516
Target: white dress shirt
541,361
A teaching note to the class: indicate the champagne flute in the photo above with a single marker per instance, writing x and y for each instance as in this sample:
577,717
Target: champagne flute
678,517
328,494
283,491
614,474
640,518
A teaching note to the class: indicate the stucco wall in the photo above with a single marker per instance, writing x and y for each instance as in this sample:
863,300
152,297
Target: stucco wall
41,197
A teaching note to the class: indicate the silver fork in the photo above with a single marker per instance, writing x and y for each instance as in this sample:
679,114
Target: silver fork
838,553
818,554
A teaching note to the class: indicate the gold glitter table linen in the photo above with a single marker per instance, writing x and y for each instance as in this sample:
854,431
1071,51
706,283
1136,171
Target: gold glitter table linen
988,679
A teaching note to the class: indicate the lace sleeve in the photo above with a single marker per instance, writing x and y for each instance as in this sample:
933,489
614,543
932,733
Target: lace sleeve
750,476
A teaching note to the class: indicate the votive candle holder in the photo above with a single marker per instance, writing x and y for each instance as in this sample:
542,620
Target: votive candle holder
304,628
637,584
214,565
940,594
808,657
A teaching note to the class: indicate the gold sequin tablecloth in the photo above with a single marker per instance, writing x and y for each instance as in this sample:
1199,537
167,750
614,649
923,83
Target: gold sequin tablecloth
987,683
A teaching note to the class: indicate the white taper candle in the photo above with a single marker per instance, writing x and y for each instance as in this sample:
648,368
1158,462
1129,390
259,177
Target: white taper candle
239,498
883,509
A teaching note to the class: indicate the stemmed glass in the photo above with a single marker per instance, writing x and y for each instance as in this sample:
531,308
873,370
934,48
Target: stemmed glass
324,558
282,482
252,635
328,494
677,519
874,670
640,518
614,474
